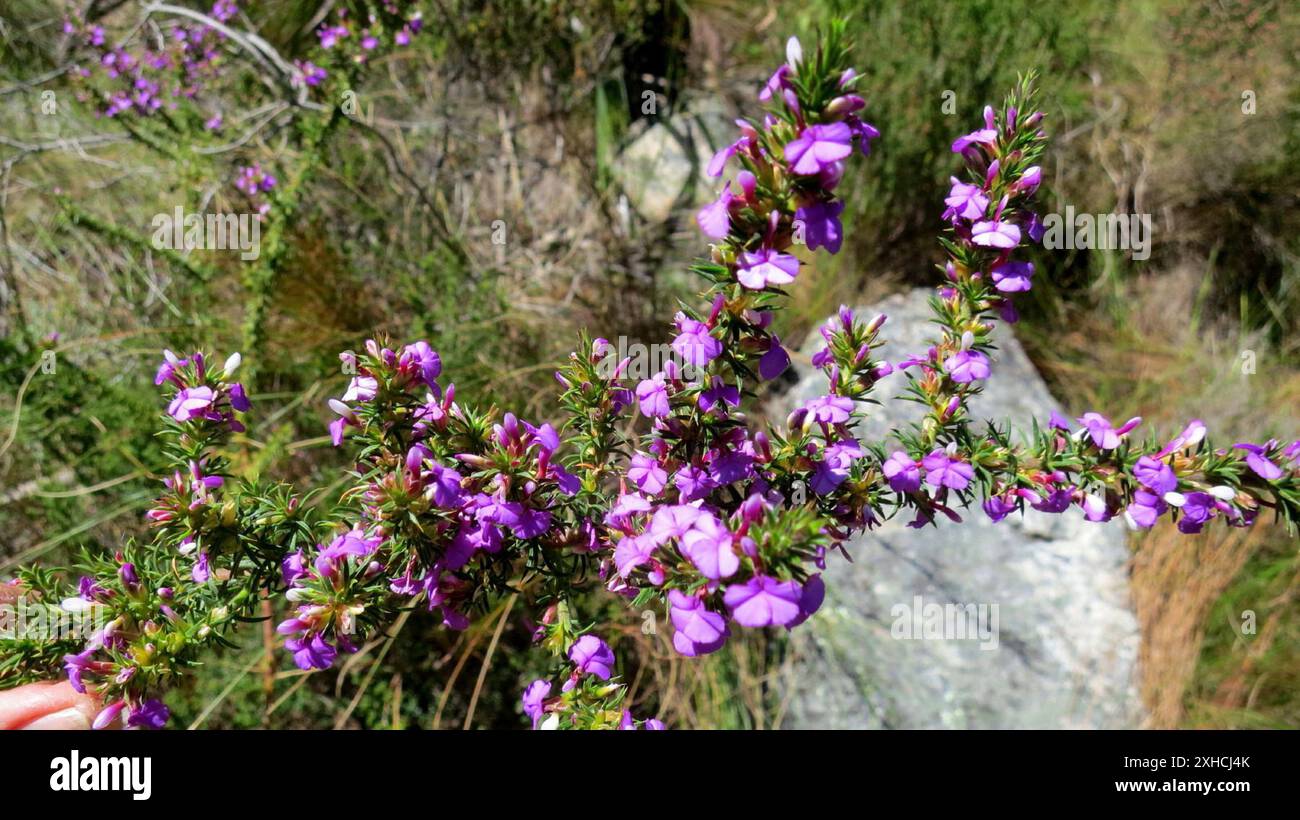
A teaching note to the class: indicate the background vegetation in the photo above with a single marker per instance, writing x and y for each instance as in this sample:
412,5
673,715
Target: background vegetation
517,112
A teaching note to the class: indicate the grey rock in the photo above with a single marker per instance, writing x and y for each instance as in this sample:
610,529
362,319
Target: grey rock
661,169
1065,654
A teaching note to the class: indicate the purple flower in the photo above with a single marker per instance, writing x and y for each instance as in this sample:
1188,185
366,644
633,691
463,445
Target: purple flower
995,234
965,201
693,483
444,488
352,543
998,507
719,160
984,136
776,83
811,596
821,225
865,132
90,590
1257,461
833,469
238,398
764,601
534,698
645,472
652,396
719,394
1197,509
943,470
330,35
774,362
108,714
1145,509
818,147
1035,228
1094,509
673,521
191,403
361,388
1057,499
708,545
1029,180
167,370
632,551
901,471
1013,277
694,344
421,356
201,572
592,656
731,467
1059,422
531,523
152,714
306,73
1155,475
311,652
293,567
223,10
347,418
698,630
75,666
829,409
766,267
1100,430
966,366
1190,437
714,219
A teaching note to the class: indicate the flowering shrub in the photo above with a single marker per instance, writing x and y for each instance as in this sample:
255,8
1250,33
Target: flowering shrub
724,526
172,72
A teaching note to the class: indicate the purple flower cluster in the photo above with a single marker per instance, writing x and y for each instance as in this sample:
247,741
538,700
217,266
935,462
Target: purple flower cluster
201,395
722,526
810,148
477,512
586,699
160,74
255,183
387,21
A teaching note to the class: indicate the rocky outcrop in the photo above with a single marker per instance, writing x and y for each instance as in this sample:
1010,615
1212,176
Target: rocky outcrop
1023,624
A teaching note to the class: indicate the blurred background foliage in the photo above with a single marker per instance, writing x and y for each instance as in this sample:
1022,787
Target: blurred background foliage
516,116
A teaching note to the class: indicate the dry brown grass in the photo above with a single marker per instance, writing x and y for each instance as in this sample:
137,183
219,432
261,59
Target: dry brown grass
1156,363
1176,579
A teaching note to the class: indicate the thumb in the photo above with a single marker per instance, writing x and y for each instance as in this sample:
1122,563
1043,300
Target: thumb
46,706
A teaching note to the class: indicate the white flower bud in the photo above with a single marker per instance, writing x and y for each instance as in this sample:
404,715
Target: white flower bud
1175,499
793,52
340,408
232,364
